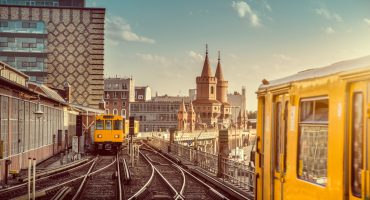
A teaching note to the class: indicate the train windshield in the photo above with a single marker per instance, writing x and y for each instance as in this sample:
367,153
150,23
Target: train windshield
99,125
117,125
108,124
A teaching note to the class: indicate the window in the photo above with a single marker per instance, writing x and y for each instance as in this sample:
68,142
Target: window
107,103
33,25
99,124
32,64
140,97
115,103
115,112
123,112
123,95
39,41
32,45
3,44
117,125
357,143
25,45
11,59
115,95
3,24
25,64
107,111
313,140
106,95
116,85
25,24
11,39
123,103
212,89
108,124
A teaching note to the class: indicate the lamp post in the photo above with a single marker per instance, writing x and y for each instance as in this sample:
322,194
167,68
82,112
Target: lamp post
235,123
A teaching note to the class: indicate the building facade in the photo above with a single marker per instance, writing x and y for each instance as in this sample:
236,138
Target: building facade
238,104
56,42
143,93
158,114
211,100
23,132
118,93
36,121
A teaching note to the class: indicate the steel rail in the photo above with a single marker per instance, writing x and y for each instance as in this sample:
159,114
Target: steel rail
83,182
194,177
120,194
45,177
44,191
88,174
138,193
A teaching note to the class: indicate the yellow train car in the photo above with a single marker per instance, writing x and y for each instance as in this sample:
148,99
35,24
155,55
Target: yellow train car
109,132
127,127
314,133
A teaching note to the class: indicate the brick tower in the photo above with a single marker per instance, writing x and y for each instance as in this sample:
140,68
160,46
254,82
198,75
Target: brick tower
222,86
182,117
206,103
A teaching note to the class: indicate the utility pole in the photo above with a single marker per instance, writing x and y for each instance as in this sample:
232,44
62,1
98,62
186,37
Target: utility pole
131,132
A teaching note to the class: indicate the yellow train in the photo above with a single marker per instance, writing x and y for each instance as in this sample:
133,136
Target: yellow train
314,133
111,131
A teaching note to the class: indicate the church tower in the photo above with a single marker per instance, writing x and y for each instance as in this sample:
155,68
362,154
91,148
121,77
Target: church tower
182,117
206,103
222,86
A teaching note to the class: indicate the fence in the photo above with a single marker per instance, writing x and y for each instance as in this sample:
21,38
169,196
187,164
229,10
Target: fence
239,174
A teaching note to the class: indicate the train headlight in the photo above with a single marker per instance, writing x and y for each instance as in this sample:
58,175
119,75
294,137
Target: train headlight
116,136
99,136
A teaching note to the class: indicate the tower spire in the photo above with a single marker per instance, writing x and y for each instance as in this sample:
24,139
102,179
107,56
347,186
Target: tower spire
206,72
219,75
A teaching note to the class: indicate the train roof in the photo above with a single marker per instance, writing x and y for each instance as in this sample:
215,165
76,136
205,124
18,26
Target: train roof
342,66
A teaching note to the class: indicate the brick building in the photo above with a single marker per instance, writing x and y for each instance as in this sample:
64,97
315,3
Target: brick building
118,93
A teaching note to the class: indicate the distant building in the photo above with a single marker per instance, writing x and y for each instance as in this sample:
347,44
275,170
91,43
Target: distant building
238,103
143,93
56,42
158,114
118,93
193,94
210,105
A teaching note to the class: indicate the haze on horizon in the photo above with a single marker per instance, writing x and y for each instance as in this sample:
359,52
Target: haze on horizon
162,43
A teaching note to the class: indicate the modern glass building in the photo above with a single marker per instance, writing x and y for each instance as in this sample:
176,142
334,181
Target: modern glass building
56,42
23,46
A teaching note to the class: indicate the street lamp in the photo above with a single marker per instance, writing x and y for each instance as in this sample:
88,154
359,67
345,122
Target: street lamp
38,111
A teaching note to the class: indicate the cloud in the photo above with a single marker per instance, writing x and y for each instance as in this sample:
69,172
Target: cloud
153,58
367,21
119,30
196,56
244,10
329,30
282,57
328,15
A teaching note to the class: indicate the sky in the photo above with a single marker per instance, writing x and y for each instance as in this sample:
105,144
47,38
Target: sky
161,43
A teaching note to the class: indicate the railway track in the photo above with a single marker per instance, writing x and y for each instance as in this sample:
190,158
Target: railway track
46,181
140,174
173,181
101,182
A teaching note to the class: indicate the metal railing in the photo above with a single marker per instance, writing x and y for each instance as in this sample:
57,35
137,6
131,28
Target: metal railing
239,174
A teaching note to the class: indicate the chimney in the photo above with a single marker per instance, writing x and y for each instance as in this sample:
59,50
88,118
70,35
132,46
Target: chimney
67,92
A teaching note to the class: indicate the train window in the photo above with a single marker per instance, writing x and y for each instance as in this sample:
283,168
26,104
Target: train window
313,140
278,136
357,143
108,124
99,124
117,125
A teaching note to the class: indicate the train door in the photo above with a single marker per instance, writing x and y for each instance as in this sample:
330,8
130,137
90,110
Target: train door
359,125
280,119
